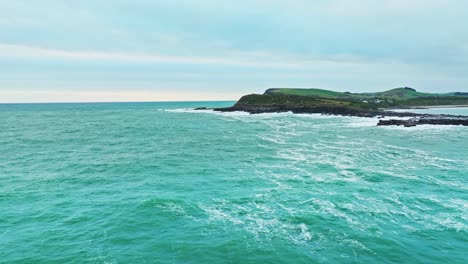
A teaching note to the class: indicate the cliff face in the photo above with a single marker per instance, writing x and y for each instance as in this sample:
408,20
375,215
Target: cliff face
294,101
267,103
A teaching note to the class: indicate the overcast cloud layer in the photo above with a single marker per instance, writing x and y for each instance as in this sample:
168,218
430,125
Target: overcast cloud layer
210,50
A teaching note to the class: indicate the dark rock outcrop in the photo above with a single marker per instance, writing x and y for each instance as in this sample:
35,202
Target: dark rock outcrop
432,120
343,111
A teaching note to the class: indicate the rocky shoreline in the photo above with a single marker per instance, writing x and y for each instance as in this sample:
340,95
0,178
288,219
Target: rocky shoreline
414,118
372,105
430,120
343,111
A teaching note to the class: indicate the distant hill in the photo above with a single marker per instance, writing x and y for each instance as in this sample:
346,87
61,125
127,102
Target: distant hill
402,93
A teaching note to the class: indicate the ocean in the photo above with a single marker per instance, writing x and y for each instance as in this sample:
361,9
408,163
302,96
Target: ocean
161,183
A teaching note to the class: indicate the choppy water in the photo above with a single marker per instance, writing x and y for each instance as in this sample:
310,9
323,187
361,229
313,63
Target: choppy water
154,183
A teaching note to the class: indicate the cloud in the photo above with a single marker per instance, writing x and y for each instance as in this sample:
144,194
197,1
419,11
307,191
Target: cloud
226,46
28,52
248,59
22,96
412,31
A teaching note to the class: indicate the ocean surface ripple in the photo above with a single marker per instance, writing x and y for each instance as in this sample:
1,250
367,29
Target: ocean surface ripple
160,183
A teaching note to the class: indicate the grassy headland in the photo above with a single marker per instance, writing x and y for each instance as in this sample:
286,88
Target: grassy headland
342,103
398,97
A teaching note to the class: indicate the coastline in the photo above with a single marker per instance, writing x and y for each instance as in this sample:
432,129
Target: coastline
414,119
429,107
388,104
445,106
385,118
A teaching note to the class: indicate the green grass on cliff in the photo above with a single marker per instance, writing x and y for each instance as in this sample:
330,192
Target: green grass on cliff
404,93
434,101
307,92
398,97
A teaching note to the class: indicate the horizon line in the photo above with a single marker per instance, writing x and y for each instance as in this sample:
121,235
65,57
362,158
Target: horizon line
117,102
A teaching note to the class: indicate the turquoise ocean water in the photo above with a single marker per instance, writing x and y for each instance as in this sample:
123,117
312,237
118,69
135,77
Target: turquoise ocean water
159,183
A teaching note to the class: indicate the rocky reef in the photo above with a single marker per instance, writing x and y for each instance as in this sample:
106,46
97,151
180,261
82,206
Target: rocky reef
426,120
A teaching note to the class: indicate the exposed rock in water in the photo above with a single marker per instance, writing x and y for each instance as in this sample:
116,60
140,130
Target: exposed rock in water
325,110
432,120
416,119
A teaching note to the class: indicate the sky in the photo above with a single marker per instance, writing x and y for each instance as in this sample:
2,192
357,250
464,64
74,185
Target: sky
192,50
